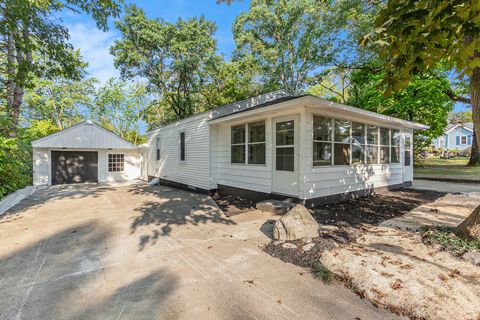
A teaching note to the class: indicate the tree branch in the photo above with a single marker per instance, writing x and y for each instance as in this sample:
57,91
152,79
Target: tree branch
456,98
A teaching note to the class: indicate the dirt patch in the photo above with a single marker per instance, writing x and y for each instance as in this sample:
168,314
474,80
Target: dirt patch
396,270
375,208
233,205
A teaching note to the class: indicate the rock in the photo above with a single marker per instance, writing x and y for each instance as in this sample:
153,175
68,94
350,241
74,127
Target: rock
307,240
298,223
278,242
473,257
308,247
289,246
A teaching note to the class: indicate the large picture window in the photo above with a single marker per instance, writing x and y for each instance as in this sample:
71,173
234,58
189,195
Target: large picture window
322,141
248,143
116,162
341,155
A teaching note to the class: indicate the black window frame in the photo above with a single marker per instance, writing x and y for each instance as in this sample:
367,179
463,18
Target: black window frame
183,146
157,145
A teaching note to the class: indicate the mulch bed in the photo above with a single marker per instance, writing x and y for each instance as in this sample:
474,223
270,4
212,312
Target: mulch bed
373,209
233,205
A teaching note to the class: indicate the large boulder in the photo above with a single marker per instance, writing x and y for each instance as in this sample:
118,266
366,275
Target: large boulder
298,223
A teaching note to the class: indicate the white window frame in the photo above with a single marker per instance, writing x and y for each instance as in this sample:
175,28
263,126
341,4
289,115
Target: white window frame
118,156
247,143
461,140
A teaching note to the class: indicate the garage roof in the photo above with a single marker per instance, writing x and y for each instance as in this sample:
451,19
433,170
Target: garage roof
84,135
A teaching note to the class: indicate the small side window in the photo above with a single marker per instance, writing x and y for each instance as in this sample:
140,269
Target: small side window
182,146
157,146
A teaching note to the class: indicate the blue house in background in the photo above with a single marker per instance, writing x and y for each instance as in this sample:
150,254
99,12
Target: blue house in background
456,137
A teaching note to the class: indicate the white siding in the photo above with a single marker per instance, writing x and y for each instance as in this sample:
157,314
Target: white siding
330,180
42,165
195,170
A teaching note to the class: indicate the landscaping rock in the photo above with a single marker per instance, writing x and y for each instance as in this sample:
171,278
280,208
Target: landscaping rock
308,247
289,246
278,242
298,223
473,257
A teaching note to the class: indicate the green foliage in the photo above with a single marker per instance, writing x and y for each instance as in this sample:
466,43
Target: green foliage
447,237
176,59
423,100
119,106
15,165
321,272
416,35
460,117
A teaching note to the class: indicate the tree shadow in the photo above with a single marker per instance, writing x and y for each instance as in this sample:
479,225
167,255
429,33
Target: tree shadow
42,280
174,207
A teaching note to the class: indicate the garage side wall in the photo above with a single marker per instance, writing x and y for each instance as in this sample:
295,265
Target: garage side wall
41,166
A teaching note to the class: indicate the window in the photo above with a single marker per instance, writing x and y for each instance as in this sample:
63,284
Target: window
157,146
341,153
285,146
384,145
182,146
256,143
372,144
238,144
408,149
358,143
463,140
115,162
395,146
322,141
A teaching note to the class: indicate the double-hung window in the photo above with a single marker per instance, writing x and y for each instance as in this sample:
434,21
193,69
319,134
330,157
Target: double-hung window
182,146
408,149
322,141
372,144
248,144
358,143
341,153
395,146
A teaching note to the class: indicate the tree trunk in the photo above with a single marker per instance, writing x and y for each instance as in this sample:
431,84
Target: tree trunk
470,227
475,152
475,101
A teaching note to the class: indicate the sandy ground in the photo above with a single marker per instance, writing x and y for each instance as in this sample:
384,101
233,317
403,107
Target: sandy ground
393,268
140,252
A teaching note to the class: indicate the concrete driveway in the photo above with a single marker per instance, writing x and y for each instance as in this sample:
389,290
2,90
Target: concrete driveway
141,252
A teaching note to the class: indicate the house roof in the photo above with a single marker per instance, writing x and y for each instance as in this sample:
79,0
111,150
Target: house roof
83,135
453,126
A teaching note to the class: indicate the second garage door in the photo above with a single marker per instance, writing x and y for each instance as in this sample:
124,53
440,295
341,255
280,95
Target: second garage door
74,166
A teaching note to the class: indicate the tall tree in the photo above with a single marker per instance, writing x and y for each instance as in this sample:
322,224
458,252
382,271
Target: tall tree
416,35
119,106
173,58
34,43
59,99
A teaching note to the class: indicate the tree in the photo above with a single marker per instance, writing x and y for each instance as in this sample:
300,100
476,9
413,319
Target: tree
422,100
59,100
119,106
417,35
173,58
414,36
34,43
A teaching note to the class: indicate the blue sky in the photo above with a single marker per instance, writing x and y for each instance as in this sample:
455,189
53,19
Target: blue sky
94,44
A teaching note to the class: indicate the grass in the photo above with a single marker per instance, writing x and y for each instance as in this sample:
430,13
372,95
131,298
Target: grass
447,168
446,237
321,272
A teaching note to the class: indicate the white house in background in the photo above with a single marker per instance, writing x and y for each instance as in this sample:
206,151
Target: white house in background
276,144
456,137
85,152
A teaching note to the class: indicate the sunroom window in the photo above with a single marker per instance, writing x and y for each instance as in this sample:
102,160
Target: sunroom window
395,146
358,143
341,147
384,145
372,144
322,141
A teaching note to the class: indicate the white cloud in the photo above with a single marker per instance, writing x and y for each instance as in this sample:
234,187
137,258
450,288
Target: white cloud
94,46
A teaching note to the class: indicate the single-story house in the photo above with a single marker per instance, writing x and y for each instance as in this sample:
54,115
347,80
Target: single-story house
85,152
301,147
456,137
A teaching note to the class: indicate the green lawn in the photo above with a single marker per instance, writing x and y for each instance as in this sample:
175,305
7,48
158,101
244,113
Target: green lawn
447,168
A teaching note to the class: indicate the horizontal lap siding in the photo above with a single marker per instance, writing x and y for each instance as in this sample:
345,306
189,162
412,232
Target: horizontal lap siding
331,180
195,170
251,177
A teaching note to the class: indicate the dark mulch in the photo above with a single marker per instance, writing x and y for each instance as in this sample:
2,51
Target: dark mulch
233,205
374,209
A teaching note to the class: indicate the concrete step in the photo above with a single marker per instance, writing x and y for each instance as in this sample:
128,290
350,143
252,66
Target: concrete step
275,206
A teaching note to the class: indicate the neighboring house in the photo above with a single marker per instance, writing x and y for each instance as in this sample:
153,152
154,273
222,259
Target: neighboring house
456,137
85,152
301,147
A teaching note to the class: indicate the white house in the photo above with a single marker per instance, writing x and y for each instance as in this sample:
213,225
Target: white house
85,152
302,147
456,137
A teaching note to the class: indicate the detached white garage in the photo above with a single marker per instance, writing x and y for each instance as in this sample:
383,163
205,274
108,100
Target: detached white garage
85,152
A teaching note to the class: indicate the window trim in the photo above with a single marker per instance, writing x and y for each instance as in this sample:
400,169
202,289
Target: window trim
115,163
184,151
244,144
157,148
332,132
461,140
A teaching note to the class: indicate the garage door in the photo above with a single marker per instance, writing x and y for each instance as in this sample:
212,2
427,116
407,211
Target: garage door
74,167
